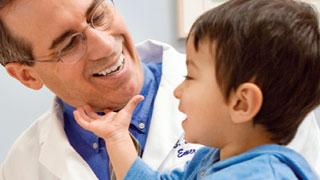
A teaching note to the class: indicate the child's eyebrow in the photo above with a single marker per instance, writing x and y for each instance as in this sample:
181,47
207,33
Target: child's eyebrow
190,62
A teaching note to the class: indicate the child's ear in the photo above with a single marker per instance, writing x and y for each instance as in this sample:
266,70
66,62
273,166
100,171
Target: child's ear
24,74
245,102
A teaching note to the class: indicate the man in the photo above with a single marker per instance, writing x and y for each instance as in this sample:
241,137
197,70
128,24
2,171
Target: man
82,51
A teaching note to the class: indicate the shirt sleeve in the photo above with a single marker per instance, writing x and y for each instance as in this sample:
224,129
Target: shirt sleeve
140,170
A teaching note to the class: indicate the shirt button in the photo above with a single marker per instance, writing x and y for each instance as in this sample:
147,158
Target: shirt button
95,145
202,174
142,126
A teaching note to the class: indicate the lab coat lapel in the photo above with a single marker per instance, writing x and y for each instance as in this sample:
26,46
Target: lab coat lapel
165,128
57,155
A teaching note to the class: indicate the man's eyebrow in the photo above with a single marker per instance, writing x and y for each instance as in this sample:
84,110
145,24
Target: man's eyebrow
68,32
60,39
92,7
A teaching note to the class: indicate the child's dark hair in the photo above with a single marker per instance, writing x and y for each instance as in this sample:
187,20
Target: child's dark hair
275,44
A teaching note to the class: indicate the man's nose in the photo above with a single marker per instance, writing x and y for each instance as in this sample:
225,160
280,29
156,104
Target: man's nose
99,44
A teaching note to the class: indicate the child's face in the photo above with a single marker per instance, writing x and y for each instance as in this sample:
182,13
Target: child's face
201,98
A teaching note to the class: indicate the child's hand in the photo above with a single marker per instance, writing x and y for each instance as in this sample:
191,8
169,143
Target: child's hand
112,125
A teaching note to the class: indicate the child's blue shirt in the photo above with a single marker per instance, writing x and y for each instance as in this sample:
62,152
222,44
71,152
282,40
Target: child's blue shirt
263,162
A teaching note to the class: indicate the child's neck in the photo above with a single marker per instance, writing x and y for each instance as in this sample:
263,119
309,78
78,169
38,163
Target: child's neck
245,141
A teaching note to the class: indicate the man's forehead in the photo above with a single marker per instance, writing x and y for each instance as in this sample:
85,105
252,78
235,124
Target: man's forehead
41,9
40,21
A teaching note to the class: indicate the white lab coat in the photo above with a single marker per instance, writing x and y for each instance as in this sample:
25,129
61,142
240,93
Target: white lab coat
43,151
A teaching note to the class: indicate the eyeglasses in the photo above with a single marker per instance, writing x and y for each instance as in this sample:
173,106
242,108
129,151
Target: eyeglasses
73,49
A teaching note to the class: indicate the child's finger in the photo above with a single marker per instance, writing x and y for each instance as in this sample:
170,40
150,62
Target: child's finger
84,115
80,120
91,113
129,108
106,111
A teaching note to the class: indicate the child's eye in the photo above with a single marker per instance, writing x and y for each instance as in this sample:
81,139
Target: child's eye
188,77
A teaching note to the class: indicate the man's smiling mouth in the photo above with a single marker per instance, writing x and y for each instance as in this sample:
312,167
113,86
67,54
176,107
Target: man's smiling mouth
113,69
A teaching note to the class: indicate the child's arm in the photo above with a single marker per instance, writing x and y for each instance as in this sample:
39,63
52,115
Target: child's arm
113,128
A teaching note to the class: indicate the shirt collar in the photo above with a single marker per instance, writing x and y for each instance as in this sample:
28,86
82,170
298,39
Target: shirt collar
149,89
86,135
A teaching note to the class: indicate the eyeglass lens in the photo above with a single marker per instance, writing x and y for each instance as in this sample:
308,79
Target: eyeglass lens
73,49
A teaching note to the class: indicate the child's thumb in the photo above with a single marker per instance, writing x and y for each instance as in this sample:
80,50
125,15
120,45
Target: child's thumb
129,108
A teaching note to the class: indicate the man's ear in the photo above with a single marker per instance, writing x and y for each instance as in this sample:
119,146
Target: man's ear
245,102
24,74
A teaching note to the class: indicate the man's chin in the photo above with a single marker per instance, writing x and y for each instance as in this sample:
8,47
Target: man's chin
114,106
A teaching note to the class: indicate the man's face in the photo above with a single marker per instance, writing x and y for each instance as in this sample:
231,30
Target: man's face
42,22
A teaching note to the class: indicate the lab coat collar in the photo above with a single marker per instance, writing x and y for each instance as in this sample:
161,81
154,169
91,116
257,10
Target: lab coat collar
165,127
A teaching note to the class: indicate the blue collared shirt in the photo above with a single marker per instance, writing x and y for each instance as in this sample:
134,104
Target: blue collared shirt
92,148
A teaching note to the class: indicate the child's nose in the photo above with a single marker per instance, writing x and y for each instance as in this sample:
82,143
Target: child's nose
177,91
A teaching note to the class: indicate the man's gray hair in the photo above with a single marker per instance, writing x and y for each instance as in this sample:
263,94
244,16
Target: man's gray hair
3,3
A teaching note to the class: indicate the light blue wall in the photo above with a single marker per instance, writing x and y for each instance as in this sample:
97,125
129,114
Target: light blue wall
19,106
155,19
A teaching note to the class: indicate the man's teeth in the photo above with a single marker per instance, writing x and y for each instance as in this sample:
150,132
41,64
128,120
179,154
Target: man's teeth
114,69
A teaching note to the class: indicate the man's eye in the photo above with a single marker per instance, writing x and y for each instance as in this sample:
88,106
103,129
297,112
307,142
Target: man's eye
68,47
98,19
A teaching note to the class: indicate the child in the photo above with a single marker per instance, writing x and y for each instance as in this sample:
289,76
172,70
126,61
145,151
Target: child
253,75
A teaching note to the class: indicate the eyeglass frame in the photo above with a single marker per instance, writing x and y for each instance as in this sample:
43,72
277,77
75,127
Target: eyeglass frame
59,59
